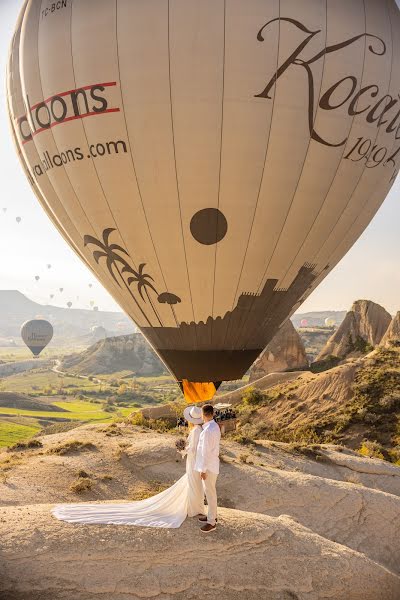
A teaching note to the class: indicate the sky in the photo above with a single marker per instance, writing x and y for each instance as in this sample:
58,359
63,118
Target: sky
370,270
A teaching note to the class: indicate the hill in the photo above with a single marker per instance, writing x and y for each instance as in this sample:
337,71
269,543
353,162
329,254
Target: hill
130,353
356,403
344,546
70,324
23,402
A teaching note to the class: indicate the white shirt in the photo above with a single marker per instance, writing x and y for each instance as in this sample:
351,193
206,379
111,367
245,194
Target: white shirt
207,458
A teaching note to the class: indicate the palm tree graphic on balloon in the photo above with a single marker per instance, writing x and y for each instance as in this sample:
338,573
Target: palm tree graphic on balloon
118,265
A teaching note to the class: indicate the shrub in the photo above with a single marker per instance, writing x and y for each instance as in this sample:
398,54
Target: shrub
30,444
72,446
253,397
371,450
83,484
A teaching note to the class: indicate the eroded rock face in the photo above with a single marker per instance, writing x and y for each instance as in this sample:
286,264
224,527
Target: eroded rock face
392,335
114,354
364,325
285,351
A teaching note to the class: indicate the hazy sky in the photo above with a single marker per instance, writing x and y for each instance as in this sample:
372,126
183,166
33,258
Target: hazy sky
370,270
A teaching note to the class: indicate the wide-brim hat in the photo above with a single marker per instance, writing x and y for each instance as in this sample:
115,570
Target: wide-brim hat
193,414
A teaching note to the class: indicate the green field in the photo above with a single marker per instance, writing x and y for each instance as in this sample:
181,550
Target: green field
10,433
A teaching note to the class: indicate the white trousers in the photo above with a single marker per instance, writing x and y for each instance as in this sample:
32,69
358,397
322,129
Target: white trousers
211,495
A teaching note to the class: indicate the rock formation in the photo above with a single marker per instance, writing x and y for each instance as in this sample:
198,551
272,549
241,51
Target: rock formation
392,335
115,354
335,518
364,326
285,351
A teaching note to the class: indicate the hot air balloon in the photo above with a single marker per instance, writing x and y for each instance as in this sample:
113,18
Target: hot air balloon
90,285
211,174
36,334
37,277
303,323
95,308
69,304
49,266
61,289
91,303
18,219
330,322
51,295
4,210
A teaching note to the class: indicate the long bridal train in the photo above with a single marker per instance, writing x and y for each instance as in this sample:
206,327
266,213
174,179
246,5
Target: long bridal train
168,509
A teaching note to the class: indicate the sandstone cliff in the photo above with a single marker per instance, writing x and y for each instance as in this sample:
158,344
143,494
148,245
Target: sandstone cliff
392,335
115,354
285,351
363,327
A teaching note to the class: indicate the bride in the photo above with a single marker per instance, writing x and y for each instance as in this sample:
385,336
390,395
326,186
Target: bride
167,509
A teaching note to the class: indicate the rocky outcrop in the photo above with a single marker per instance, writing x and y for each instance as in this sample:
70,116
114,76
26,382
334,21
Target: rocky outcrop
115,354
363,328
285,351
12,368
392,335
247,559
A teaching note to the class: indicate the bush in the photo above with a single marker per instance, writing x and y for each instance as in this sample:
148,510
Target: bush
72,446
253,397
371,450
30,444
83,484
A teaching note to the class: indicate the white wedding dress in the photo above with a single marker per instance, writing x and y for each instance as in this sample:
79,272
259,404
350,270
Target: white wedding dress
167,509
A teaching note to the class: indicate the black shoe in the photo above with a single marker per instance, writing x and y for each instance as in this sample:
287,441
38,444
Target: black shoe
208,528
203,519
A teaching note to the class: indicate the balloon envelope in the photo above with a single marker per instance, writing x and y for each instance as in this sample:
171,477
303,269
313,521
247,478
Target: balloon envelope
303,323
210,174
330,322
36,334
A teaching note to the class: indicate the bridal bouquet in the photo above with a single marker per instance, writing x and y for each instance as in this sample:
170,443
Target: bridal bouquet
180,444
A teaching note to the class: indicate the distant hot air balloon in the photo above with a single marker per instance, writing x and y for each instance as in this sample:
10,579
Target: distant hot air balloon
90,285
51,295
61,289
49,266
18,219
330,322
98,331
69,304
95,308
37,277
4,210
222,167
303,323
36,334
91,303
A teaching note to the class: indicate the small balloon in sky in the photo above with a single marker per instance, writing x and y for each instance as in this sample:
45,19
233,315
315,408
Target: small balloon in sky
51,295
90,285
49,266
91,303
18,219
69,304
330,322
96,308
61,289
4,210
37,277
36,334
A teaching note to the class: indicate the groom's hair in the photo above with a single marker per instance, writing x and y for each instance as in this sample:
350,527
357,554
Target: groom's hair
208,410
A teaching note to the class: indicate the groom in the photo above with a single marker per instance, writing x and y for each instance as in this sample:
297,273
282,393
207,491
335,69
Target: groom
207,463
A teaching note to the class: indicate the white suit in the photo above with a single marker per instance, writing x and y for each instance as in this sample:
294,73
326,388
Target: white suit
207,461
